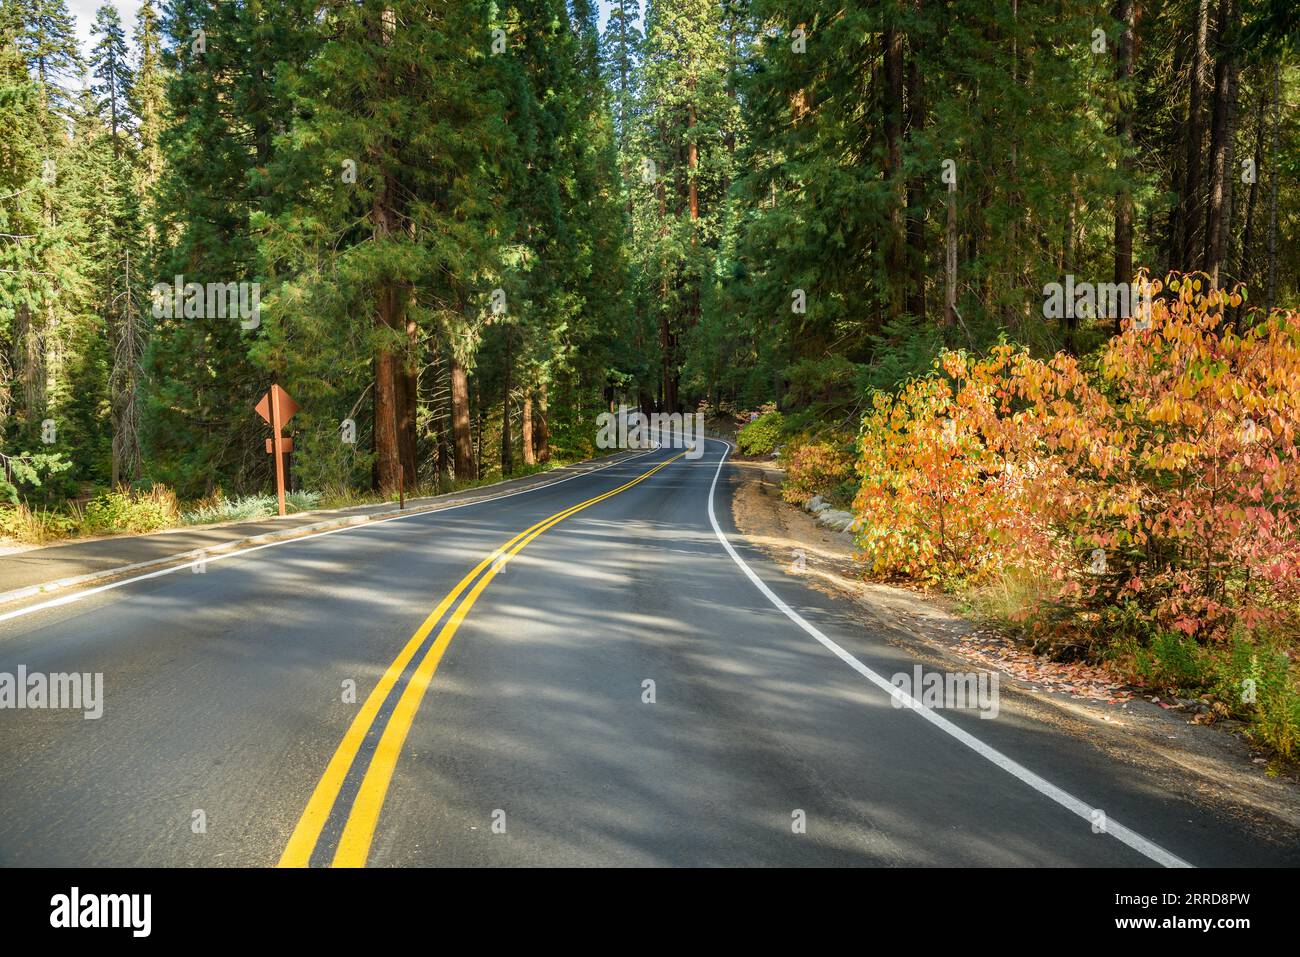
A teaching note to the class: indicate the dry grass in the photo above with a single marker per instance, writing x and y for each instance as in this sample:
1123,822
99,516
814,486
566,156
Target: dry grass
40,527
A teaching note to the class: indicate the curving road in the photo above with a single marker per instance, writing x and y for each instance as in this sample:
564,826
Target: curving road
501,713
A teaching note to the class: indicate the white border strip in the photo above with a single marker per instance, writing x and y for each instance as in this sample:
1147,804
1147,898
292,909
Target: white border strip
237,552
1068,801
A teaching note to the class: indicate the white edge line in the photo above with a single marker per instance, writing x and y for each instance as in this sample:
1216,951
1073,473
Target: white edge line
210,559
1068,801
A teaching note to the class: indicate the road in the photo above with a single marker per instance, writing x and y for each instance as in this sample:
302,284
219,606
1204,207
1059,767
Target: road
503,715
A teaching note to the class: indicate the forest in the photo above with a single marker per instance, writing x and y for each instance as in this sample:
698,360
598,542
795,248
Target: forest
473,225
923,248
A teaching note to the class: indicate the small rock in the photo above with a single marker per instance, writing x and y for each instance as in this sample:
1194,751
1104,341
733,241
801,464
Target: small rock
834,518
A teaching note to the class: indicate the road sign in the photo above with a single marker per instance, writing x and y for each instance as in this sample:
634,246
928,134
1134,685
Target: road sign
287,406
277,408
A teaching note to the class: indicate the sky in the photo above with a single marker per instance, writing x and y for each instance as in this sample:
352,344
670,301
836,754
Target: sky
84,11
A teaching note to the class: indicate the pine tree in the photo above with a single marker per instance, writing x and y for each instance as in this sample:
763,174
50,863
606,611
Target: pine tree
225,110
688,119
388,242
49,40
620,54
49,260
22,281
147,101
112,70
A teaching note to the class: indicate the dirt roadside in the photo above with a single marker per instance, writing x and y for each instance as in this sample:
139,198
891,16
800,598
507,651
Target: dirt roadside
1215,765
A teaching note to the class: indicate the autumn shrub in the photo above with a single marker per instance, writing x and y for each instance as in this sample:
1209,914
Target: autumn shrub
818,466
760,436
1156,486
937,501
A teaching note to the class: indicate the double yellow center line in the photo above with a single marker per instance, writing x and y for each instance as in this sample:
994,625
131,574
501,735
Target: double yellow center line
359,831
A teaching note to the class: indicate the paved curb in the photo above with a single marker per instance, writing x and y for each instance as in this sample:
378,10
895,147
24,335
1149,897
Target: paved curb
181,558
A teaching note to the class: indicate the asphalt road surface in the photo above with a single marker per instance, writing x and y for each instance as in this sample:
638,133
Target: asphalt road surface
621,683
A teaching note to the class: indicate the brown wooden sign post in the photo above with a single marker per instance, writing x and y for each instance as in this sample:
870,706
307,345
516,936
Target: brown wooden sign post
277,408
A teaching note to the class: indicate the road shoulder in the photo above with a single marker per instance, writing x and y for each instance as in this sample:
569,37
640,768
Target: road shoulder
1215,767
82,563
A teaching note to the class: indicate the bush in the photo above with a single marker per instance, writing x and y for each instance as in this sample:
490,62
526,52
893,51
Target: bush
1250,679
1173,661
33,527
221,509
1164,478
818,467
760,436
1258,683
1154,491
127,510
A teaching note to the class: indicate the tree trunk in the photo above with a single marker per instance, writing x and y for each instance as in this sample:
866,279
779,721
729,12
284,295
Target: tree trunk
507,452
915,185
464,449
541,430
410,395
1123,12
692,163
1173,245
665,333
670,362
1271,296
442,416
530,455
387,400
1069,321
892,107
1219,208
1244,273
387,460
950,263
477,400
383,219
1193,185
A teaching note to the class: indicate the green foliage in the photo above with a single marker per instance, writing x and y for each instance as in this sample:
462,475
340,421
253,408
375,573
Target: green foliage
678,164
220,509
903,349
1172,660
761,436
1275,720
828,386
30,475
1252,679
130,511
